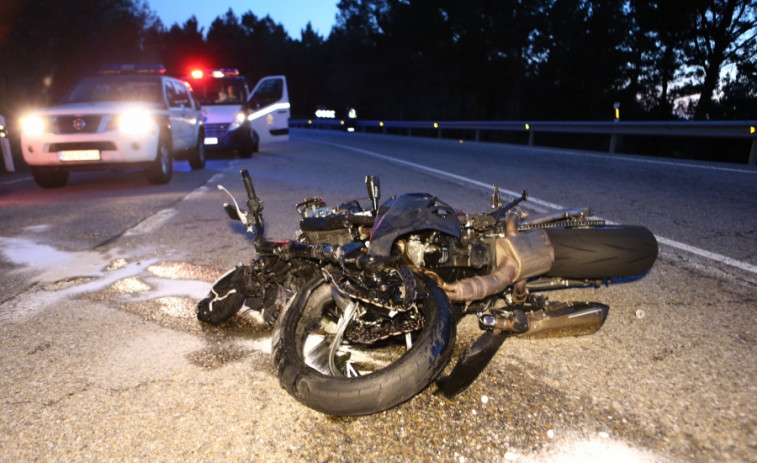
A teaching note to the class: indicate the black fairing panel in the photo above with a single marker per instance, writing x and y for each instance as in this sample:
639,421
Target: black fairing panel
408,213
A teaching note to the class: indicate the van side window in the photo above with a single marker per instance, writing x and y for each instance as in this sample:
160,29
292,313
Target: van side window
270,91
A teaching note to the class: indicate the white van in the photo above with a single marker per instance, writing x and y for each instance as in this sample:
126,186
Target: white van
237,119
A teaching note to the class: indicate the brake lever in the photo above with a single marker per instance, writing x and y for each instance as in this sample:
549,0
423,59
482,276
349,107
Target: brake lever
233,211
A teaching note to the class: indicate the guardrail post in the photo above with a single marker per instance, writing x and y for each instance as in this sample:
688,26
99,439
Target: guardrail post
530,138
613,143
753,153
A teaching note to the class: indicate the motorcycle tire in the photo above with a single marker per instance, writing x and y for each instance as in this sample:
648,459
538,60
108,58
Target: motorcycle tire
379,390
602,252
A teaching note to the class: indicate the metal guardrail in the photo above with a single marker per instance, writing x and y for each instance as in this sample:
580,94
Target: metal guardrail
707,129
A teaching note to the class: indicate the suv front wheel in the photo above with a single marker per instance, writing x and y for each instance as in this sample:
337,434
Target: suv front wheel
161,170
197,156
49,178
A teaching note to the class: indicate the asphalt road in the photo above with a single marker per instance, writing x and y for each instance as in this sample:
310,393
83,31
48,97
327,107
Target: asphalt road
102,358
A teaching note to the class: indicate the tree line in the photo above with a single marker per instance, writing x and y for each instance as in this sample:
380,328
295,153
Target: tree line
419,59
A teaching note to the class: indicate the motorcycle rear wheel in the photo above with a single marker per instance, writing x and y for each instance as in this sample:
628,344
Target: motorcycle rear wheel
602,252
407,373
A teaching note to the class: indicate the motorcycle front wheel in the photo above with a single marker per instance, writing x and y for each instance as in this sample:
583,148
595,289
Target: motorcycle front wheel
326,373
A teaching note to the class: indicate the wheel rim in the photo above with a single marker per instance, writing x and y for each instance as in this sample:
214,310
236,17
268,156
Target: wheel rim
322,329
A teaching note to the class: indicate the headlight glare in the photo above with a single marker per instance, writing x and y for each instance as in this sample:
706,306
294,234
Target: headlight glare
33,125
239,119
135,122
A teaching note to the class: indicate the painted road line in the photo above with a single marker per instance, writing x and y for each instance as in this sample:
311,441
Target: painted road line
660,239
152,223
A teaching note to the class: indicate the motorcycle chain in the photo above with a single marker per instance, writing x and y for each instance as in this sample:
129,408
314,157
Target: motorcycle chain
568,223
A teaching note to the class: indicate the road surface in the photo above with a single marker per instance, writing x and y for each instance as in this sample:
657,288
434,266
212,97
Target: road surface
102,358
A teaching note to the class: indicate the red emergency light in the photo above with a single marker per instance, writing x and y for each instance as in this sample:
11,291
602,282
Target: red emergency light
217,73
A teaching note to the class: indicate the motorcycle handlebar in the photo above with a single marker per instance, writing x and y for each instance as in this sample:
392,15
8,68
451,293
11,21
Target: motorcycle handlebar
248,184
254,204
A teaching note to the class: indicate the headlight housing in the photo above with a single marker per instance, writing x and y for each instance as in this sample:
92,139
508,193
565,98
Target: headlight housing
239,119
135,122
33,125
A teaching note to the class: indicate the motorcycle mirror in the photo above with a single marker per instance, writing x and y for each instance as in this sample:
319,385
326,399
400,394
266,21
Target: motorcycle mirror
496,200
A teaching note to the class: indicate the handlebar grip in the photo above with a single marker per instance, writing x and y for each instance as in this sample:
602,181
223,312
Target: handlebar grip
248,184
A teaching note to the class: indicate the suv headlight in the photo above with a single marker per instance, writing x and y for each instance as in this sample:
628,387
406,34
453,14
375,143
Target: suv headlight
239,119
135,122
33,125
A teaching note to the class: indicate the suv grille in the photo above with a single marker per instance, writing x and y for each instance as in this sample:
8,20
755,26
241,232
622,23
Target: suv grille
77,124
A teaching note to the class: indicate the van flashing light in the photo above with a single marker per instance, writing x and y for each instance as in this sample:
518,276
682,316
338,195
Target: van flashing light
215,73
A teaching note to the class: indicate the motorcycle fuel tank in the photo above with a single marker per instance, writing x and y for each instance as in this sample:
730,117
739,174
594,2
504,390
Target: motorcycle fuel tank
411,213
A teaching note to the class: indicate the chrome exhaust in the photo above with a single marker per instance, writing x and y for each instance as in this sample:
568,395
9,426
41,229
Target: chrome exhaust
565,319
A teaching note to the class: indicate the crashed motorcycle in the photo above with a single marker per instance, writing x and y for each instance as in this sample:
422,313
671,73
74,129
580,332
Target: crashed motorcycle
365,301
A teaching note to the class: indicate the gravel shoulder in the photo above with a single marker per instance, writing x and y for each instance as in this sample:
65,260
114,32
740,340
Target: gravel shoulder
93,379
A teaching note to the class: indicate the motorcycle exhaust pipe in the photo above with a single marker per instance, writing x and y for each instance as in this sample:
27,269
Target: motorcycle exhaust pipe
517,257
566,319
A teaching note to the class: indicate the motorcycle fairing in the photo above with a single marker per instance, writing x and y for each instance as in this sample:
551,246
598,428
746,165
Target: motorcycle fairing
408,213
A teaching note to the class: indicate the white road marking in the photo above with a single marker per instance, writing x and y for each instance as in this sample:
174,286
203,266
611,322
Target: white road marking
660,239
151,223
708,255
652,161
157,220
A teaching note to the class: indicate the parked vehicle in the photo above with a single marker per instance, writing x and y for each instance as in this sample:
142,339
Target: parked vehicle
128,116
365,301
5,146
237,119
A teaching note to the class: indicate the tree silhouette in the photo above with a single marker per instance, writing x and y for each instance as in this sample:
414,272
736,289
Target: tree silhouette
418,59
725,33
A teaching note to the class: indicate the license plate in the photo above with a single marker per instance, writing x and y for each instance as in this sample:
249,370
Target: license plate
211,140
80,155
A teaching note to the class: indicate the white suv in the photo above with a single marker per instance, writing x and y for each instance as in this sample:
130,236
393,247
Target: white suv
128,116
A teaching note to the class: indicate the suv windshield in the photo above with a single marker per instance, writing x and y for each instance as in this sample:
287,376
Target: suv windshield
219,91
117,88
